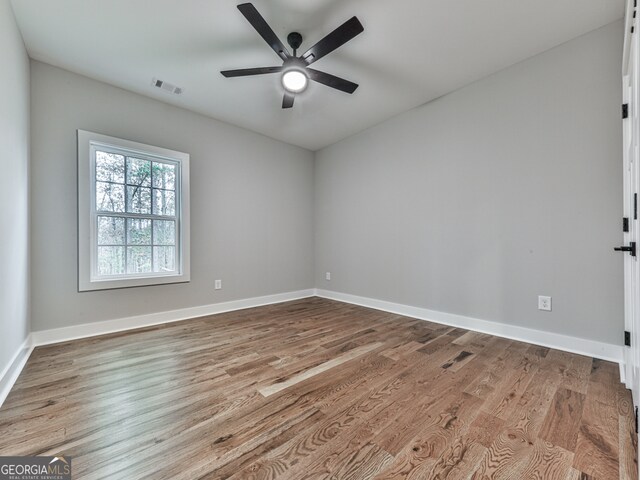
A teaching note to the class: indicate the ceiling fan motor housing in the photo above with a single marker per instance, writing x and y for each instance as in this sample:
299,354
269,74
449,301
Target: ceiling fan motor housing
294,39
294,63
296,71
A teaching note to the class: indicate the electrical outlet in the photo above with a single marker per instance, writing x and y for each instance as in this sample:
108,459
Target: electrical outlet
327,276
544,303
218,285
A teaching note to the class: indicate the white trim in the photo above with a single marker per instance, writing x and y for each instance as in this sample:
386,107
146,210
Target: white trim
12,370
581,346
558,341
57,335
628,22
88,142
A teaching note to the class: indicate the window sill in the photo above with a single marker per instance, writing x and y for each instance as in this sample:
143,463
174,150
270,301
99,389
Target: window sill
89,286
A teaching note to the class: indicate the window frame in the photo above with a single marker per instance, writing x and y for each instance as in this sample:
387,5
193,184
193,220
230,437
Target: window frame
88,280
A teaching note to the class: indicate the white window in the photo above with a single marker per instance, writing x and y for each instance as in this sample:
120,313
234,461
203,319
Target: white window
133,214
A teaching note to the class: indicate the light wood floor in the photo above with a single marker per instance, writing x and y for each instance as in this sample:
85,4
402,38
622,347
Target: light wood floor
319,389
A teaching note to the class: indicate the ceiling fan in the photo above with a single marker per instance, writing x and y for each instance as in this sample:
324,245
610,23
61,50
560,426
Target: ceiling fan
296,69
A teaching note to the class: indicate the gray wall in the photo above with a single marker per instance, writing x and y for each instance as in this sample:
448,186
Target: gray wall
480,201
251,202
474,204
14,187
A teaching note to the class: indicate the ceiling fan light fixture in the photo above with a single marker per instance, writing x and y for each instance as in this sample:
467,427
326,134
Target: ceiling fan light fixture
294,81
296,72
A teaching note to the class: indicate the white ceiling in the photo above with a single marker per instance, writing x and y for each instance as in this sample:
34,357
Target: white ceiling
411,52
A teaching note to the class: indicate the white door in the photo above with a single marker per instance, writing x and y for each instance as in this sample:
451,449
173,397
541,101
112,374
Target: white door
631,129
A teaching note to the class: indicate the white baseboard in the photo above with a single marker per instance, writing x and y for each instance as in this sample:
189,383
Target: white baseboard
64,334
581,346
13,369
46,337
623,374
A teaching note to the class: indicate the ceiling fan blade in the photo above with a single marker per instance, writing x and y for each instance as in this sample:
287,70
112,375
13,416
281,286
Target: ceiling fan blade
332,81
287,101
341,35
263,28
244,72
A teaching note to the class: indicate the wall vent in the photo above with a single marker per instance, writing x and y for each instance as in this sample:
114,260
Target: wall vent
166,86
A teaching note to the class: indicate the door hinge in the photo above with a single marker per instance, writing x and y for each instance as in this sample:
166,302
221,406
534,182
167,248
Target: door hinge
627,338
635,206
625,225
625,110
636,410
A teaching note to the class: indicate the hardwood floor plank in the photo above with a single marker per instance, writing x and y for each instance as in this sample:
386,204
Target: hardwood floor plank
504,399
503,459
354,425
628,446
348,338
397,352
350,355
458,361
603,375
426,453
489,379
597,451
485,428
509,452
563,420
473,339
459,459
578,475
377,407
253,364
354,462
574,369
434,344
547,462
351,392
